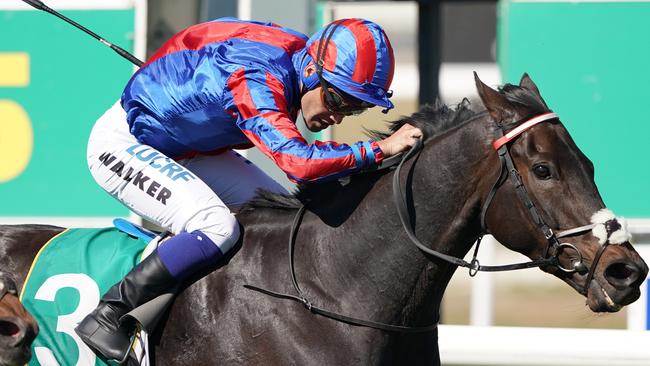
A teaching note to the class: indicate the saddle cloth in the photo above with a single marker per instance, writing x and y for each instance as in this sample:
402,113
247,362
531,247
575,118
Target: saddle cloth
64,284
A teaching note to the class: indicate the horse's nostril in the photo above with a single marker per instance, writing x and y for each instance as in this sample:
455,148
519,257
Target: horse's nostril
621,274
9,329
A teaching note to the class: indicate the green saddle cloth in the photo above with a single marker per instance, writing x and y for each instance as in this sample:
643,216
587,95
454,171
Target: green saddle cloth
66,281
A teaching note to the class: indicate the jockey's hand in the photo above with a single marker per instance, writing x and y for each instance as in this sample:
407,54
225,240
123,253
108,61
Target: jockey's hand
403,139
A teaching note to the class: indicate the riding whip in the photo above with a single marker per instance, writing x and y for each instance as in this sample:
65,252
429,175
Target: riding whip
120,51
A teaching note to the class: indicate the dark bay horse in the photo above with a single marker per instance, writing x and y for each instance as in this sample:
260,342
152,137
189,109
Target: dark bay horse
352,255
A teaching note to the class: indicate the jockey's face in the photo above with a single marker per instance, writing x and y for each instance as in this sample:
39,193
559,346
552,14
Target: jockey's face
316,115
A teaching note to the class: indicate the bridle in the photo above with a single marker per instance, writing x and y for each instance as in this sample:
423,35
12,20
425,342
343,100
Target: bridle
554,248
507,169
7,285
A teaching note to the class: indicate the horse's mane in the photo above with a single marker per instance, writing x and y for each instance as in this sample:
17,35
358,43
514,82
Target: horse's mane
268,199
433,120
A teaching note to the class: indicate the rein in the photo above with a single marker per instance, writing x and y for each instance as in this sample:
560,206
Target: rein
301,298
474,266
507,169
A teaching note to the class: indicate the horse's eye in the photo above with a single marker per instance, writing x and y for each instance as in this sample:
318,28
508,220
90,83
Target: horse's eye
542,171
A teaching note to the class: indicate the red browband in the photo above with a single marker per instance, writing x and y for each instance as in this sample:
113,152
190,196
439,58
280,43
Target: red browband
521,128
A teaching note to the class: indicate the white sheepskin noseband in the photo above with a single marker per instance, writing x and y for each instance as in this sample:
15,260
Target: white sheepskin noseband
609,227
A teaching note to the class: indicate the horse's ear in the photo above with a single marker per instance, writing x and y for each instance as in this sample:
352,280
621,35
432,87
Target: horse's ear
496,104
527,83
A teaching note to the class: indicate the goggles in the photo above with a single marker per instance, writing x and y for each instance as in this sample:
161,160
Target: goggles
336,103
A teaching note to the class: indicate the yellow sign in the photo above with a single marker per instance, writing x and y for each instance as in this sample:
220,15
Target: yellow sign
16,135
14,69
16,140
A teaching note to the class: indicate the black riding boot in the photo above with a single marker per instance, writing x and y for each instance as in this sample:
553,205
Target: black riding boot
102,330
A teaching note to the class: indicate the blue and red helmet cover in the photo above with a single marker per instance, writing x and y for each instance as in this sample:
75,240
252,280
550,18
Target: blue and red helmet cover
358,60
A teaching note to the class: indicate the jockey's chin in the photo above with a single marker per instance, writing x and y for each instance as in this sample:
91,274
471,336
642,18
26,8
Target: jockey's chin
317,124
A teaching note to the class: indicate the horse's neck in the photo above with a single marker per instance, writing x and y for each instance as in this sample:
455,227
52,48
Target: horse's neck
373,260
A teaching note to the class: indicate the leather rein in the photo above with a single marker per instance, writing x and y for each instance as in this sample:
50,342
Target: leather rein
507,169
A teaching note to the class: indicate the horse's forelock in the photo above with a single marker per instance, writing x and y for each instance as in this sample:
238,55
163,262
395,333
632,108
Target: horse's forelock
524,98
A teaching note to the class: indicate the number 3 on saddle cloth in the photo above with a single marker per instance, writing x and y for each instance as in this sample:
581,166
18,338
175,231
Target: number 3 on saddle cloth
68,277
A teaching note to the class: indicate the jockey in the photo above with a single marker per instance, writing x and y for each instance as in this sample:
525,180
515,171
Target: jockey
165,150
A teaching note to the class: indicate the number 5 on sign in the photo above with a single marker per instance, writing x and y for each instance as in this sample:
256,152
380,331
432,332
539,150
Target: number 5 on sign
88,300
16,136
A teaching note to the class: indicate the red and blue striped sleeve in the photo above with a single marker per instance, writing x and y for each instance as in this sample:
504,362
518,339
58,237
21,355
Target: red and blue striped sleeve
259,101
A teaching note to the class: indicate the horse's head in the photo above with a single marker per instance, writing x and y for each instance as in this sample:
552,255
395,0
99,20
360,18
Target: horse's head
597,260
17,327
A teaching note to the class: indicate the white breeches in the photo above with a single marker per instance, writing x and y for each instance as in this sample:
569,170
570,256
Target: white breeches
198,193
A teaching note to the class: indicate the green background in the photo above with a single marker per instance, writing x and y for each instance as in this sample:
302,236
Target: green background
591,62
73,80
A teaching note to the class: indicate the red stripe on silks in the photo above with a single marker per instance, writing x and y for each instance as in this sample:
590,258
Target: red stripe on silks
325,143
303,169
391,56
379,155
241,94
277,89
363,152
330,54
197,36
281,122
364,68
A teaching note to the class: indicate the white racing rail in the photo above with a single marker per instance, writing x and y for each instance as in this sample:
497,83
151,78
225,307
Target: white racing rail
519,346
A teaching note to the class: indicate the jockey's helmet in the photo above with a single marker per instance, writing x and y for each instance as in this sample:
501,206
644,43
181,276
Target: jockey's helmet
355,56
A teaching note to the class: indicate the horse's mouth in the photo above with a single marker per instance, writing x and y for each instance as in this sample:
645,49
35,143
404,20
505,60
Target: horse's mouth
599,299
611,305
16,338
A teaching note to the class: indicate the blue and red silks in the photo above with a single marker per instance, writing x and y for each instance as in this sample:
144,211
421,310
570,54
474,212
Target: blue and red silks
235,84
